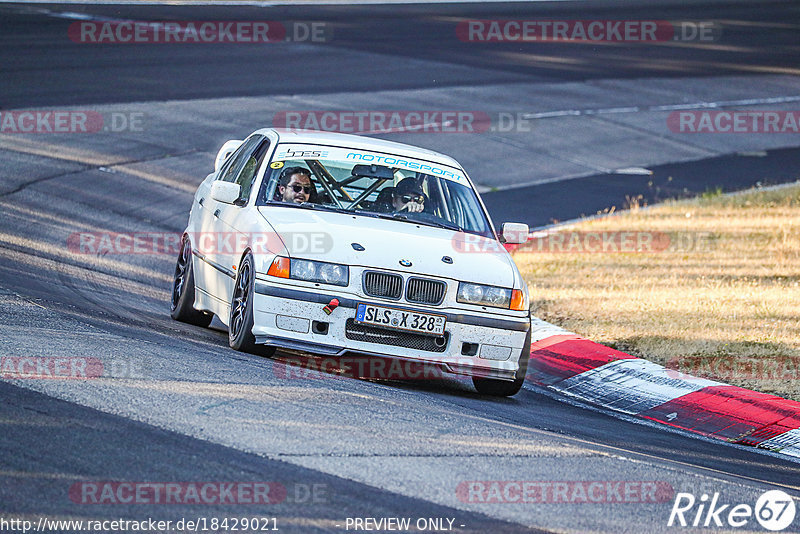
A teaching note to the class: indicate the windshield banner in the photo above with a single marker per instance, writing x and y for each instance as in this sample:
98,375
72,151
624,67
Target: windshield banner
292,151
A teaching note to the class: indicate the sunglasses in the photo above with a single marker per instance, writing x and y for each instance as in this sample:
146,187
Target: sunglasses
304,188
419,199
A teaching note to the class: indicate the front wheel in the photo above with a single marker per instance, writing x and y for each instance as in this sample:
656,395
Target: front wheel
240,325
182,305
504,388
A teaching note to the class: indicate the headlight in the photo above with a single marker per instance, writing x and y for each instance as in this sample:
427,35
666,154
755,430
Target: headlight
330,273
310,271
496,297
303,270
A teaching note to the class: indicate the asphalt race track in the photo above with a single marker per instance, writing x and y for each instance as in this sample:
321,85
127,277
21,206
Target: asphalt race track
175,405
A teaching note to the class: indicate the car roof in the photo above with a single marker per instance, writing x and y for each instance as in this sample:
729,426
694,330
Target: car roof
359,142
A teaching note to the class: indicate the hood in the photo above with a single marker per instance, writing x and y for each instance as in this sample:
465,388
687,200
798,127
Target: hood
328,236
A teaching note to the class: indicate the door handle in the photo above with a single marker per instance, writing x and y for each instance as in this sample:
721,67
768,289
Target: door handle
216,213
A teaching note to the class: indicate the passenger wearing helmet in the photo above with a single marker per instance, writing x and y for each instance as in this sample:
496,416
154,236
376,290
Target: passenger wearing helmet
408,196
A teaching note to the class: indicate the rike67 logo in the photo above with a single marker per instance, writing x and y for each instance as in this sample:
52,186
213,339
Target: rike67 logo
774,510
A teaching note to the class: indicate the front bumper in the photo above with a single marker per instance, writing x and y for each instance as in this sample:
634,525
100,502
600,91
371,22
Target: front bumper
289,317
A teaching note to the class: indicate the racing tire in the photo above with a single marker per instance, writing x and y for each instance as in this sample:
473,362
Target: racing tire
182,303
505,388
240,325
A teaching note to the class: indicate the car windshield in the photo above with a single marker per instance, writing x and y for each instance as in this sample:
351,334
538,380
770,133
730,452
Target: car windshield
373,185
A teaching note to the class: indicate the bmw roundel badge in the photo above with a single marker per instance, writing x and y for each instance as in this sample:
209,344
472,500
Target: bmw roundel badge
405,263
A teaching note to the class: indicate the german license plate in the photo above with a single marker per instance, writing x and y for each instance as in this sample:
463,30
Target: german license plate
396,319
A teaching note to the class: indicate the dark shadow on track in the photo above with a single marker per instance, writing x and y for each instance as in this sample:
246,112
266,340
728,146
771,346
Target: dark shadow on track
379,47
540,205
53,448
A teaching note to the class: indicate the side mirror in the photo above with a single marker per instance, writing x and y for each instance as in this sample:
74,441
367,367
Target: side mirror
227,192
515,233
224,153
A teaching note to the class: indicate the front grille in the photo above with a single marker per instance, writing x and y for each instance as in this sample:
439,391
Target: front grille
424,291
371,334
383,285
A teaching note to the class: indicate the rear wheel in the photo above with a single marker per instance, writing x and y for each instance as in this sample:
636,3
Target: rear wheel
240,326
182,305
505,388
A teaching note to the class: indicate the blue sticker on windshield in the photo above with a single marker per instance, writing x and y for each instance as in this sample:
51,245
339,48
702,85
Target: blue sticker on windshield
407,164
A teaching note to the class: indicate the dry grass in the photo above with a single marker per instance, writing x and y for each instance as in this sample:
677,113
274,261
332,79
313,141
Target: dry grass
722,301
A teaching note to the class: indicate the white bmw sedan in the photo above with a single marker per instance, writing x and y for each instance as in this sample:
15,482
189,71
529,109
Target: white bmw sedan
336,244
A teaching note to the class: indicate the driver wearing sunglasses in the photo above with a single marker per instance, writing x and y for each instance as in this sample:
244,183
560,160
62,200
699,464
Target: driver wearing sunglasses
408,196
295,185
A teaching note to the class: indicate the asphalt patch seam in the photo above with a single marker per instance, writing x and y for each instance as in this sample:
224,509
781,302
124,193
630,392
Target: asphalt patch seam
87,167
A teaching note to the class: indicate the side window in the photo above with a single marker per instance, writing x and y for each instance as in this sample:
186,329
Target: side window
239,158
247,175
